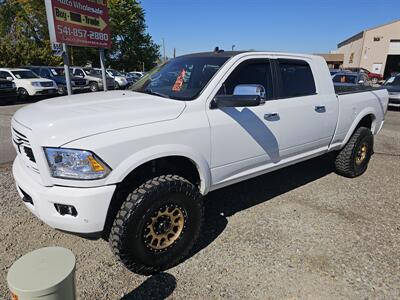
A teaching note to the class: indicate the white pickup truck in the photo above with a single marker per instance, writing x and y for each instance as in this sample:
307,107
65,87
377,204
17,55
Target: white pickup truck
133,165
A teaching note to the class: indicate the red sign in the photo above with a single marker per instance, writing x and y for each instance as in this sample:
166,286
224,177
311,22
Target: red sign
81,23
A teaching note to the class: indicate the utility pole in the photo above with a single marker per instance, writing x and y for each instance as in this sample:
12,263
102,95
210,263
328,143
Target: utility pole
174,52
163,45
66,68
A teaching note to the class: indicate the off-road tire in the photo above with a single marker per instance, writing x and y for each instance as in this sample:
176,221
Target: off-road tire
126,237
345,162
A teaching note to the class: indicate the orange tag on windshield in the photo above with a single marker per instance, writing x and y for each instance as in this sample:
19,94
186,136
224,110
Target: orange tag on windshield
179,81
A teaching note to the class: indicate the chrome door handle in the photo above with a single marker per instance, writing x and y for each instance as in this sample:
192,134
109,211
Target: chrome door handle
271,116
320,108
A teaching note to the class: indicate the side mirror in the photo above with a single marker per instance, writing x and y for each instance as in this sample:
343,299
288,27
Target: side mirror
236,101
250,90
9,78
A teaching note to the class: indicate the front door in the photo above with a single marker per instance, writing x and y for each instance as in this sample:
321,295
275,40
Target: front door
246,139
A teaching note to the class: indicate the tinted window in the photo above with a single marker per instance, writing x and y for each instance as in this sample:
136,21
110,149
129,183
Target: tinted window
296,79
44,73
182,78
25,74
4,74
35,70
255,71
341,78
78,72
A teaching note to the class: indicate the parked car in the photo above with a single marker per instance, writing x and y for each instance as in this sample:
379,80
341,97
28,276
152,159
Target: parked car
137,74
121,82
57,74
28,83
132,166
350,79
94,77
334,71
130,78
374,77
393,87
8,91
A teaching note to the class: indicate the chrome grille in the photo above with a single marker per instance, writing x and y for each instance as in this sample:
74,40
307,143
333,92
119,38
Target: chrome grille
46,84
24,149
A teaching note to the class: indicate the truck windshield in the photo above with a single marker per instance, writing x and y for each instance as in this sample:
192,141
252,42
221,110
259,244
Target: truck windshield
24,74
181,78
393,81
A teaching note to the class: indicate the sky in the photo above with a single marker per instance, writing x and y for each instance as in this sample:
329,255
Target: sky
306,26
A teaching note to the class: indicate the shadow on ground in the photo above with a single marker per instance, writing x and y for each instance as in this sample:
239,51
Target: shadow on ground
158,286
223,203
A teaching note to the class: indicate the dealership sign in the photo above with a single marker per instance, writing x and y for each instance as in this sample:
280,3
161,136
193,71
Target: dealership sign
79,23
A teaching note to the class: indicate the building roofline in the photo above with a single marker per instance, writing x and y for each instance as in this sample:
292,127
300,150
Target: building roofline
361,34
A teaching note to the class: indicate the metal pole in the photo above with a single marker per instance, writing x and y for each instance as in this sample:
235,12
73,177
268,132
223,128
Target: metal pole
66,69
174,52
163,45
103,70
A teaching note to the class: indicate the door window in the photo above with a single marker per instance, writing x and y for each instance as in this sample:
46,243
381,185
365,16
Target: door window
4,74
254,71
296,78
79,72
44,73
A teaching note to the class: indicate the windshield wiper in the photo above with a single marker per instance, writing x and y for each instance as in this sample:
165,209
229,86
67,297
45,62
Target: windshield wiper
150,92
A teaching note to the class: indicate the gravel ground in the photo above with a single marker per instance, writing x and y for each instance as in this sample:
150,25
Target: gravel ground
301,232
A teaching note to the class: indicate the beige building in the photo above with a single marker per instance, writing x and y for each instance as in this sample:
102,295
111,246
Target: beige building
376,49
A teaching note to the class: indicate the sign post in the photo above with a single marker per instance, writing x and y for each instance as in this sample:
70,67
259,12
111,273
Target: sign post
83,23
103,70
66,68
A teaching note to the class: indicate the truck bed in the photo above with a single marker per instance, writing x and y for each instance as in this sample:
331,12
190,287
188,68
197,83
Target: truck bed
342,90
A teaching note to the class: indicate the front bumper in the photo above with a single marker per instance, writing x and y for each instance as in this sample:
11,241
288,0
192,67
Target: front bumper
91,204
44,91
394,99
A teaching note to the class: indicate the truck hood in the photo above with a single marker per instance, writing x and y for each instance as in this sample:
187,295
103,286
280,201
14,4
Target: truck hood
55,122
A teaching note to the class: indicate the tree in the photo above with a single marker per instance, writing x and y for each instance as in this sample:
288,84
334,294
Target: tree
131,46
24,37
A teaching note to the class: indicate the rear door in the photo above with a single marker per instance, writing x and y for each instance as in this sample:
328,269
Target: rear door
307,119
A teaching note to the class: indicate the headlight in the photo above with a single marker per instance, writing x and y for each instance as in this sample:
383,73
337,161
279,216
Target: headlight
35,83
75,164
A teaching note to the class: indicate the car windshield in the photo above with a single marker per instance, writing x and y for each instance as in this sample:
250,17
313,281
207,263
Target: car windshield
90,71
57,71
181,78
26,74
395,80
115,73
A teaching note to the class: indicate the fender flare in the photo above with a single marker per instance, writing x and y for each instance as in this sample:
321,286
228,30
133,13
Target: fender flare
139,158
365,112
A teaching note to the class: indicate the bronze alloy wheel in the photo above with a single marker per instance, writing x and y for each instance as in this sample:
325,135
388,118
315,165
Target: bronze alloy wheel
164,228
361,153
